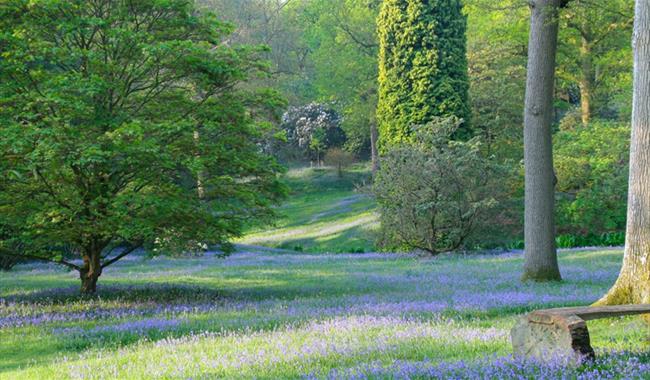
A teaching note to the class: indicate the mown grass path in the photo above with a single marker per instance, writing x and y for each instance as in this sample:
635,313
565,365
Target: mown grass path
324,213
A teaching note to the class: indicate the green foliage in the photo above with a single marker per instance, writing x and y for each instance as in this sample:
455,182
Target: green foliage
422,66
343,39
122,126
608,239
592,171
278,25
433,192
595,51
497,57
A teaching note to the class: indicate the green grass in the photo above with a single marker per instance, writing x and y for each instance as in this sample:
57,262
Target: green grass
324,213
269,316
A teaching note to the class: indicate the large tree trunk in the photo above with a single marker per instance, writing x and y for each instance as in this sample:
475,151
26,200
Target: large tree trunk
539,222
633,284
91,270
374,152
586,79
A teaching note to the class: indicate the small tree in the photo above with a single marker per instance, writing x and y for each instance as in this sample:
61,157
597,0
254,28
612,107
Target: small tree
123,125
433,192
339,159
318,144
313,128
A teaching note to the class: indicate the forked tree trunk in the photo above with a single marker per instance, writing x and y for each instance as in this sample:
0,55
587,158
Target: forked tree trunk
374,152
633,284
90,272
539,222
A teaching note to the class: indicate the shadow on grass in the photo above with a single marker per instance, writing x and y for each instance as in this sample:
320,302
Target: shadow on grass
66,323
144,293
355,239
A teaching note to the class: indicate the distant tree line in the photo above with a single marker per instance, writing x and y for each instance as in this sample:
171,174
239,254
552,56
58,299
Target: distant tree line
331,55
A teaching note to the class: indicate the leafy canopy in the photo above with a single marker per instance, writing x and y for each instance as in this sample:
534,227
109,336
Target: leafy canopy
123,124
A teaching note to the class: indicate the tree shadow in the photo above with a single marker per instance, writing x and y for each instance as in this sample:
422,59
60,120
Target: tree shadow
138,293
66,323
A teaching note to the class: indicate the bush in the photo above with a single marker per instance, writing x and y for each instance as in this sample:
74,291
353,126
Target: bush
609,239
313,128
433,192
592,171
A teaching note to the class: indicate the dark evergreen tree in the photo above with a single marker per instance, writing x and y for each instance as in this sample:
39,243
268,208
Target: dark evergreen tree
422,66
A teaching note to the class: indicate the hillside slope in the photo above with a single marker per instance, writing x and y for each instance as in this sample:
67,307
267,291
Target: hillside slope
324,213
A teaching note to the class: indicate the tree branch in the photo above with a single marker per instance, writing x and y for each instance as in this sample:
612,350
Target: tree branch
62,262
124,253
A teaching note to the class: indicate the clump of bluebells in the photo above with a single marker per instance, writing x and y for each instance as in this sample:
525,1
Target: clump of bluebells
138,327
609,365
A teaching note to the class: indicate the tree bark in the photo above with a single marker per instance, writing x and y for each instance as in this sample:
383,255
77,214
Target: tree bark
539,221
374,152
90,271
633,284
586,79
200,188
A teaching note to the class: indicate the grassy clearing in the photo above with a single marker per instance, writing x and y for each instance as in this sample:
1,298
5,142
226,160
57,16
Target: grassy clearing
265,315
324,213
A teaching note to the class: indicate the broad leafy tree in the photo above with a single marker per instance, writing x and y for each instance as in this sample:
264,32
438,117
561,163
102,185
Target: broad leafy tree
342,35
123,126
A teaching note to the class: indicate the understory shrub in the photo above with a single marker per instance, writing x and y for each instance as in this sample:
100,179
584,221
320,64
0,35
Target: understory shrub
434,191
608,239
592,169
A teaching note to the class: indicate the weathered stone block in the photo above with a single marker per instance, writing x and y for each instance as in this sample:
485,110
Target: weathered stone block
548,333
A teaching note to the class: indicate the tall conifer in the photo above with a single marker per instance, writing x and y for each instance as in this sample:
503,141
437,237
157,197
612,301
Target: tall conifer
422,66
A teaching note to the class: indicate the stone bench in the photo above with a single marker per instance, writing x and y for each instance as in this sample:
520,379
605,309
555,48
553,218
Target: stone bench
564,330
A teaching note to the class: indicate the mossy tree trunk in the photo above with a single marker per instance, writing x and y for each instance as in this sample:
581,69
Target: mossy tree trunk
633,284
539,223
